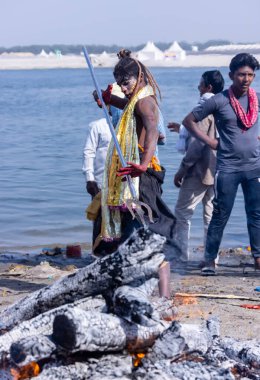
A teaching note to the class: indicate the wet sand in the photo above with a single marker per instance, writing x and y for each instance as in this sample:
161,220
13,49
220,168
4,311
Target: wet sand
22,274
235,276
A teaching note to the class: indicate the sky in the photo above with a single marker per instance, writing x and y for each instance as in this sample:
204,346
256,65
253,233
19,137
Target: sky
127,23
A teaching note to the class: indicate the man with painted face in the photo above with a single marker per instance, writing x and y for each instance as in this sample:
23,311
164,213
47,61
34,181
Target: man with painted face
137,134
238,154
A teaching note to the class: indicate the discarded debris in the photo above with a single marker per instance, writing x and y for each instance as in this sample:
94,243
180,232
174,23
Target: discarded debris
220,296
247,306
73,251
53,251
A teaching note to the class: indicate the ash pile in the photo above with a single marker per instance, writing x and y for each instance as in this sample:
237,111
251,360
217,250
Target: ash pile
103,322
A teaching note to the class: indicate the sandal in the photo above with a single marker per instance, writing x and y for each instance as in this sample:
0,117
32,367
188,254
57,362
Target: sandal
208,271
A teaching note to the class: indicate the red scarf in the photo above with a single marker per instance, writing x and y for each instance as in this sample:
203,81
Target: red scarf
247,119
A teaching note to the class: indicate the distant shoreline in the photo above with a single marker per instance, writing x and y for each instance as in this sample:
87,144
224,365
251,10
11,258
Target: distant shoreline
78,62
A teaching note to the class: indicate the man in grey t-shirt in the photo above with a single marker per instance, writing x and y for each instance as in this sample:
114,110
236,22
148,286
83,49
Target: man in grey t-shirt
238,154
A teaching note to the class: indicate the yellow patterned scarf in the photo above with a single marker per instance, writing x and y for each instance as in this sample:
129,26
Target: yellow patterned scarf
115,192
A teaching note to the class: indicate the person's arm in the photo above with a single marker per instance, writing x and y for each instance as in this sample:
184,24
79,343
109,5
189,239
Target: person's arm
89,154
193,153
198,114
190,123
118,102
174,127
110,99
147,109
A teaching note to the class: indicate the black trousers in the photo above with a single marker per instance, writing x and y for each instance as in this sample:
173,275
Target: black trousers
150,192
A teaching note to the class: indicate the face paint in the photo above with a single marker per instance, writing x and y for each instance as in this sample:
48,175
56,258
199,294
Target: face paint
128,85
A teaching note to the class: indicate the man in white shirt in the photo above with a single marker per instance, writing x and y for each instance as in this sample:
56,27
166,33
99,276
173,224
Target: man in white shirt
94,154
94,157
95,150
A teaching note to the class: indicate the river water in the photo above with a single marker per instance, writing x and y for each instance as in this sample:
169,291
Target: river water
44,119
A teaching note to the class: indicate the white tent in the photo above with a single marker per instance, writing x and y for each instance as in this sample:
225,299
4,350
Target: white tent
43,54
194,48
104,59
175,52
150,52
104,55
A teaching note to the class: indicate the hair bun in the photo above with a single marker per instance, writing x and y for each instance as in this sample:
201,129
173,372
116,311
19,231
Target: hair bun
123,53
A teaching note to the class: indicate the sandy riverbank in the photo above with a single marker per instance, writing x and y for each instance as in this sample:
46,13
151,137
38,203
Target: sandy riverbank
22,274
28,62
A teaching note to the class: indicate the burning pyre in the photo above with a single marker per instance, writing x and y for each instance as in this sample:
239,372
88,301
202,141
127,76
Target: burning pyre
103,323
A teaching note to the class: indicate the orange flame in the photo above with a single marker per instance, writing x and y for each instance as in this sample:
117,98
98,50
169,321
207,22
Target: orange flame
180,300
171,318
137,358
30,370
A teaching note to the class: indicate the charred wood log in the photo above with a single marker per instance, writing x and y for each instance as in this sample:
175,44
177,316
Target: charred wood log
133,304
116,366
78,330
141,337
43,323
247,351
180,353
185,370
32,349
180,338
237,356
138,258
164,309
79,371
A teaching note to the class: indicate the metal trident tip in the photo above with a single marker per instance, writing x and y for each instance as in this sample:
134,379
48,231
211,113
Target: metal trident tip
134,206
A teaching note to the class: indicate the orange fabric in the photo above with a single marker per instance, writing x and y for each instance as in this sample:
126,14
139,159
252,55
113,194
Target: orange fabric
154,163
93,209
